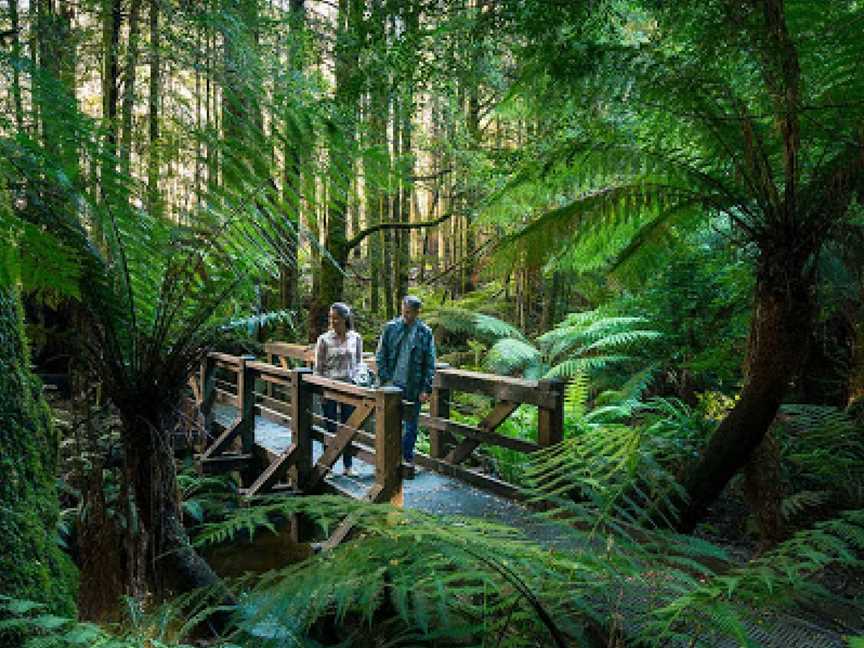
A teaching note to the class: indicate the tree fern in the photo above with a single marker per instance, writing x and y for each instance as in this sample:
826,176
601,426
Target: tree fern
582,342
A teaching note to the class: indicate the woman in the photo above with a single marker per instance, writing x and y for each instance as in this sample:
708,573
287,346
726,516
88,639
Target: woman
338,353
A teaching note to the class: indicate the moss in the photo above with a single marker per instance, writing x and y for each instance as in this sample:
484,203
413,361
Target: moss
32,565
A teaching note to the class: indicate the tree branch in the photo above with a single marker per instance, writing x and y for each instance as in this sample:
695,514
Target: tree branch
356,240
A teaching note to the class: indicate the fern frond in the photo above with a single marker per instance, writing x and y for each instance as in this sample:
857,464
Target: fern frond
511,356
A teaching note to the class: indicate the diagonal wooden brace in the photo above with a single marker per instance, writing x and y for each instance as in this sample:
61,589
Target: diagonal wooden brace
489,424
274,472
223,441
344,437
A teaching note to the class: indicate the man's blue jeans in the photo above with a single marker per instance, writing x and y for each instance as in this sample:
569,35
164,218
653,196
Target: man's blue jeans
328,408
409,438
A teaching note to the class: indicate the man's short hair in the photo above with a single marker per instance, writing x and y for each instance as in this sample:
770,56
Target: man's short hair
412,302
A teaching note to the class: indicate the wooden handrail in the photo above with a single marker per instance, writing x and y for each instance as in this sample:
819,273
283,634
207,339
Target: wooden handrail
269,369
224,357
339,386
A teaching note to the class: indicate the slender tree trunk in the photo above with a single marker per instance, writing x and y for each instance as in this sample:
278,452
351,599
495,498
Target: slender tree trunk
374,167
411,19
387,274
129,88
396,201
16,75
547,320
112,20
154,202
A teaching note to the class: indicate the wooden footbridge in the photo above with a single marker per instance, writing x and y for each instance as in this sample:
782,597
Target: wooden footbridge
263,420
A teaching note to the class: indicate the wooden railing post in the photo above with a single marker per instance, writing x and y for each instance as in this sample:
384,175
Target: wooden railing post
246,406
208,397
439,406
246,403
550,420
301,427
388,446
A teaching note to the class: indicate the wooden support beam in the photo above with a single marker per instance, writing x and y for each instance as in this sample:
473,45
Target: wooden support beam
341,397
304,353
363,446
340,533
388,446
226,463
223,441
225,358
282,418
246,405
485,482
474,432
194,385
208,395
439,407
501,388
274,404
273,473
301,427
550,420
345,433
485,433
271,373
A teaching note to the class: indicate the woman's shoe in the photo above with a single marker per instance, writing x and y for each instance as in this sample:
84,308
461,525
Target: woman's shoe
348,471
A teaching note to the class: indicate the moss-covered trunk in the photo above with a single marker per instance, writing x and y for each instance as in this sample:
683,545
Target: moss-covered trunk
31,563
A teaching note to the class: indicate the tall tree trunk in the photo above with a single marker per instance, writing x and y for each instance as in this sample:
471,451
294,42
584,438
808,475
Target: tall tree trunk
396,237
154,202
112,20
16,74
411,19
129,88
340,166
375,167
242,125
296,149
387,270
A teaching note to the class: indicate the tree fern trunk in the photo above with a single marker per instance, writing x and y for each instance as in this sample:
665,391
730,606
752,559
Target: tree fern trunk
174,566
777,347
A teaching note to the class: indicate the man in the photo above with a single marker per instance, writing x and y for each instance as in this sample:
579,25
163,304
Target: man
406,358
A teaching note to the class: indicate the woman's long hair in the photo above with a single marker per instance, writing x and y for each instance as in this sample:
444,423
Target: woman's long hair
344,311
